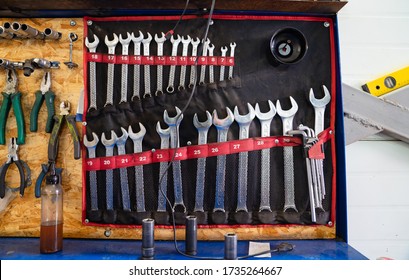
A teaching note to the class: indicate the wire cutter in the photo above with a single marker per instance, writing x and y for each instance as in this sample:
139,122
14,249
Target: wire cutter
12,157
11,97
43,94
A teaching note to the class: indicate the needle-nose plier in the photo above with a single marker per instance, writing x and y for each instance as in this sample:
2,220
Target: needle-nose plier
11,97
43,94
12,157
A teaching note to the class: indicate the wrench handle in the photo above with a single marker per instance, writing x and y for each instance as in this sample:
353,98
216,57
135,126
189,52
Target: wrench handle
242,182
311,191
177,180
265,181
220,177
110,85
319,119
136,77
124,83
93,189
163,187
289,192
200,180
126,204
92,86
140,192
110,189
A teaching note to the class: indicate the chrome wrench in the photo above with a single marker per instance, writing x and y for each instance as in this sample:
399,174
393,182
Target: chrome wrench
92,48
164,135
124,75
175,44
185,48
244,122
159,80
147,68
265,124
232,48
173,124
203,67
193,68
109,152
224,52
211,67
137,139
110,76
222,126
91,147
120,143
202,129
287,118
136,68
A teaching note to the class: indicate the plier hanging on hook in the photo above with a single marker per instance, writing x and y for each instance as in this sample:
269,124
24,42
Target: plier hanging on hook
11,97
43,94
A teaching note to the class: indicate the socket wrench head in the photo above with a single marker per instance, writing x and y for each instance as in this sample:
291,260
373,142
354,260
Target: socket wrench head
52,34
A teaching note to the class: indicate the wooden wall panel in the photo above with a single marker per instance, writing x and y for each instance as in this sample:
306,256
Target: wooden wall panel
22,216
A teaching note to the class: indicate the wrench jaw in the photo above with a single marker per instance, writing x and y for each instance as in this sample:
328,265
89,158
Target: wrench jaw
92,46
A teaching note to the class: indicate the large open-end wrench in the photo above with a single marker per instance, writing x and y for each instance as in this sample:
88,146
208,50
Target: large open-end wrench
287,117
175,44
109,152
222,126
193,78
185,48
202,129
244,122
111,68
136,68
124,69
224,52
232,48
319,110
126,199
164,135
92,48
173,123
265,124
147,68
159,80
91,146
137,139
203,67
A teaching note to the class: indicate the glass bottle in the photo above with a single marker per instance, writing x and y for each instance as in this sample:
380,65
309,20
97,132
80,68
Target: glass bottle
51,232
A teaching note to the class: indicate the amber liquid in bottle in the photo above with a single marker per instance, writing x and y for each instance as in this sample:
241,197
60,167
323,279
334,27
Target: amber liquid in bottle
51,238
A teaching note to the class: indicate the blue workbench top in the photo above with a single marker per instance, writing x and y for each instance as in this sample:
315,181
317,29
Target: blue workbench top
90,249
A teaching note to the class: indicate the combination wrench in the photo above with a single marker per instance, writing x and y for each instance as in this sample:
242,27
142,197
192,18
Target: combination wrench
147,68
159,80
193,68
265,124
164,135
137,139
111,70
120,143
185,48
202,129
244,122
224,52
232,49
91,146
124,75
92,48
136,68
222,126
287,117
175,44
203,67
173,123
109,152
211,67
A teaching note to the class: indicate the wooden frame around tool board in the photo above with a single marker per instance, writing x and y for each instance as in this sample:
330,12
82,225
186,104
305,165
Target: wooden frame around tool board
22,216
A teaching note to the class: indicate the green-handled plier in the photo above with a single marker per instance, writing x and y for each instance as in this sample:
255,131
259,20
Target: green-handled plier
43,94
11,97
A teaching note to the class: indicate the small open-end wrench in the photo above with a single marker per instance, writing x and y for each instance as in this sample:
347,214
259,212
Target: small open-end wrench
203,67
109,152
136,68
319,109
265,124
137,139
124,75
224,52
222,126
211,67
91,147
173,123
202,129
159,80
175,44
244,122
287,117
193,68
120,143
232,48
164,135
147,68
92,48
110,79
185,48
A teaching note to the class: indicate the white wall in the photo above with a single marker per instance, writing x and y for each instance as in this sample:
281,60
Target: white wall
374,41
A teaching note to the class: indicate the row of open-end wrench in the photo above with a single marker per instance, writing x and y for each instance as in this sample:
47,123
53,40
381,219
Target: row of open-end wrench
207,49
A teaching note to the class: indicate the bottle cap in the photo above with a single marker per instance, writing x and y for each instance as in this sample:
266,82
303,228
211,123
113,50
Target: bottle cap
52,180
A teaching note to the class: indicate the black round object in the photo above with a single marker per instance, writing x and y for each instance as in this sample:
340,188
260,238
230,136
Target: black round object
288,45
